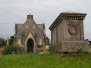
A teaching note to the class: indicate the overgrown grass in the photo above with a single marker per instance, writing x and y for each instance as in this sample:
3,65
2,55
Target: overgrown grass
45,61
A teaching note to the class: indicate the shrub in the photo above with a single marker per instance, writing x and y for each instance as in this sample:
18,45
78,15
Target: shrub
81,52
1,50
10,49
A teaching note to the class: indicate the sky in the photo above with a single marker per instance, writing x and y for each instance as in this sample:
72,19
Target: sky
43,11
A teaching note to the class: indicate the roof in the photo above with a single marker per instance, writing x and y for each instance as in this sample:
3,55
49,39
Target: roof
18,26
68,15
41,26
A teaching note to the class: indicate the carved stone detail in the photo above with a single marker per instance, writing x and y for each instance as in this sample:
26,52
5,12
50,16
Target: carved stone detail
72,29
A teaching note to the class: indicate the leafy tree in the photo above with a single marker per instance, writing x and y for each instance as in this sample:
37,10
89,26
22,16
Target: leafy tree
11,40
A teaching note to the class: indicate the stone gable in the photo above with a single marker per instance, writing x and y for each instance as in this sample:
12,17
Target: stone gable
37,30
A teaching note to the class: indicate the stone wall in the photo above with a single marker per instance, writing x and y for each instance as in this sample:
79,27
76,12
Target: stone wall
73,46
69,46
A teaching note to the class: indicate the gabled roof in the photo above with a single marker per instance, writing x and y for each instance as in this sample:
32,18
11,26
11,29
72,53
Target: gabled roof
41,26
30,22
18,26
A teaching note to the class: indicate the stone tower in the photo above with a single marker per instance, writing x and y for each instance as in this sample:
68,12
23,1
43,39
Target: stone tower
67,32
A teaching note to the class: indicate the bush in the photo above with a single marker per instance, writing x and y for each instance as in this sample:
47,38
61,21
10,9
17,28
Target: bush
10,49
81,52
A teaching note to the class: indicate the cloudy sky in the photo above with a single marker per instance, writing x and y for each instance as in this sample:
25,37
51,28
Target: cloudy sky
44,11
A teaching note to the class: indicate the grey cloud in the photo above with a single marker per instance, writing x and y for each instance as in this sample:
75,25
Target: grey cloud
44,11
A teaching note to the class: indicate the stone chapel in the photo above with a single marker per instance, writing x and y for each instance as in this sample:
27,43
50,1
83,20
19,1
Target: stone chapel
30,35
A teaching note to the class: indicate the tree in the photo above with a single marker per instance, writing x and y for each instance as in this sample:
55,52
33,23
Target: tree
3,42
47,40
11,40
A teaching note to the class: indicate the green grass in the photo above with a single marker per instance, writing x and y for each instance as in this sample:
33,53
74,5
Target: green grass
45,61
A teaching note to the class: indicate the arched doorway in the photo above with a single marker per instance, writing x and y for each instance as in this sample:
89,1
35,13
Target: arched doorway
30,46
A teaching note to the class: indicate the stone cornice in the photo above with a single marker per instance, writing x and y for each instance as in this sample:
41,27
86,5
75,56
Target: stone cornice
73,16
70,16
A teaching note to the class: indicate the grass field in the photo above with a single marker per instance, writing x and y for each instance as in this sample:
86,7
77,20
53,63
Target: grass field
45,61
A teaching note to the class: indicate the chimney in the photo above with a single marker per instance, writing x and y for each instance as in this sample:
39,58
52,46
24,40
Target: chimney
29,16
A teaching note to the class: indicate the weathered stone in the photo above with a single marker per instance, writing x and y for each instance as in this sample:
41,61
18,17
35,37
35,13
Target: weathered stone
30,35
67,34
